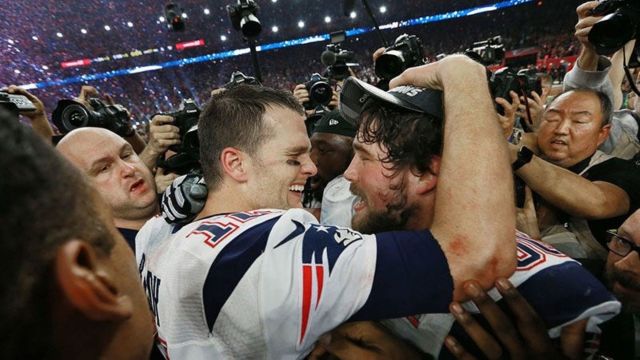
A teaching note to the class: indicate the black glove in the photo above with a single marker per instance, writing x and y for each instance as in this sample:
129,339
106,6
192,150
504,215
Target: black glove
184,199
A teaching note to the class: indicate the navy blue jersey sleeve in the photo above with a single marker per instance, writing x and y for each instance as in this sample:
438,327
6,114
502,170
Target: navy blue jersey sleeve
411,277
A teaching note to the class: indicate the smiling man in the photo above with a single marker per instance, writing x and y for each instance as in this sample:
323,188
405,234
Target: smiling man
584,188
117,173
255,276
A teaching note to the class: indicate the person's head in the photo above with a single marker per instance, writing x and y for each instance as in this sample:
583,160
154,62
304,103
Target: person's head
253,140
331,148
573,125
623,272
74,290
115,170
396,162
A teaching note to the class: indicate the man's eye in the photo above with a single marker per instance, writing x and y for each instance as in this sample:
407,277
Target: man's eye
293,162
105,168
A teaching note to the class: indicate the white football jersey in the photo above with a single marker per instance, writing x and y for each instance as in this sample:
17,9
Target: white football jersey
269,283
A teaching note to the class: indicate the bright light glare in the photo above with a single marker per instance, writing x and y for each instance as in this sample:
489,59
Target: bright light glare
129,24
84,31
206,11
223,37
300,24
59,34
107,27
274,29
383,9
327,19
353,15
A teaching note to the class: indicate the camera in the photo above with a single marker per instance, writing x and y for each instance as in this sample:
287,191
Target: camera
238,78
15,104
487,52
506,79
405,52
337,60
617,27
187,154
320,92
71,114
243,17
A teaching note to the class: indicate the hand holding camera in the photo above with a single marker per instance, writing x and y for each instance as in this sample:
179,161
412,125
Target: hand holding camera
162,134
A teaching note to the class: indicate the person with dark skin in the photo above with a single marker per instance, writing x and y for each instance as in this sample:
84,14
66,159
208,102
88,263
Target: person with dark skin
75,292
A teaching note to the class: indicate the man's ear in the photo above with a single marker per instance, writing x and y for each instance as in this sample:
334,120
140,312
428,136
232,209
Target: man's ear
233,163
603,134
87,286
428,180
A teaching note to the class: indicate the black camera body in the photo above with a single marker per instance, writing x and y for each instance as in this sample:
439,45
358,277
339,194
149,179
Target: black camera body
244,18
619,25
187,154
487,52
320,92
522,83
239,78
406,52
15,104
338,61
71,114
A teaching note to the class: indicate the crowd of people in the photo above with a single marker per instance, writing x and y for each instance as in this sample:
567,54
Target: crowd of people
418,216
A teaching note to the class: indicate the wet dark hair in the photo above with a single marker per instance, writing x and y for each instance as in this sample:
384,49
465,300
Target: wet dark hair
234,118
411,139
44,202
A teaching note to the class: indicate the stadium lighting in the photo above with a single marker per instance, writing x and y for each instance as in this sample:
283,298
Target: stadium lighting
10,41
353,15
206,11
35,38
383,9
59,34
45,67
300,24
184,15
161,18
223,37
84,31
129,24
107,27
327,19
274,29
16,71
274,1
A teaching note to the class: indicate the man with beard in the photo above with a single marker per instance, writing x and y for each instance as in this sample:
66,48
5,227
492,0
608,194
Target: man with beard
331,152
247,281
395,173
621,335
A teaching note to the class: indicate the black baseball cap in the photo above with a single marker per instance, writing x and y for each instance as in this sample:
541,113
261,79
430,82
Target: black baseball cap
356,94
333,123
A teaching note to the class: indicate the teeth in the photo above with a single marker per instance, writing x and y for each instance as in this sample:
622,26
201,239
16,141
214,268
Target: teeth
298,188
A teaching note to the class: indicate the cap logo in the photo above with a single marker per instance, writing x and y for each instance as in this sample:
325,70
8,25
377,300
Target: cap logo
333,122
408,90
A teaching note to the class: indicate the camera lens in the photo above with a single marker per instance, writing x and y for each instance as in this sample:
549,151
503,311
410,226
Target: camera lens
74,116
612,32
321,92
390,64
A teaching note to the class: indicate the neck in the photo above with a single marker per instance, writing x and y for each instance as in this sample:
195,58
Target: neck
129,223
224,200
422,216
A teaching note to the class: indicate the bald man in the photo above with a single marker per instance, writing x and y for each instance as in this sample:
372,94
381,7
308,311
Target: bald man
117,173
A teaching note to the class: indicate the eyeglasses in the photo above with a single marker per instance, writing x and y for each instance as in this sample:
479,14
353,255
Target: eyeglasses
619,245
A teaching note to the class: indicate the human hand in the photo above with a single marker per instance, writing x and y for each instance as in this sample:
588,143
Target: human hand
528,325
536,107
585,22
335,100
377,54
508,120
453,68
36,114
162,134
300,92
526,217
163,180
363,340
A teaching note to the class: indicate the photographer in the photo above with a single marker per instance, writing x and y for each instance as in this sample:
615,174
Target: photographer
162,134
38,117
598,72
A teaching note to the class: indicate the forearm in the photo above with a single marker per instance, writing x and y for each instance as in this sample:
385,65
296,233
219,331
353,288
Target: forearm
567,191
42,127
476,181
588,59
149,156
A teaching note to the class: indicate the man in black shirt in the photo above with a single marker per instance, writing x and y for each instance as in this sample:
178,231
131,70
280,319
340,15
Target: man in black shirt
587,190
